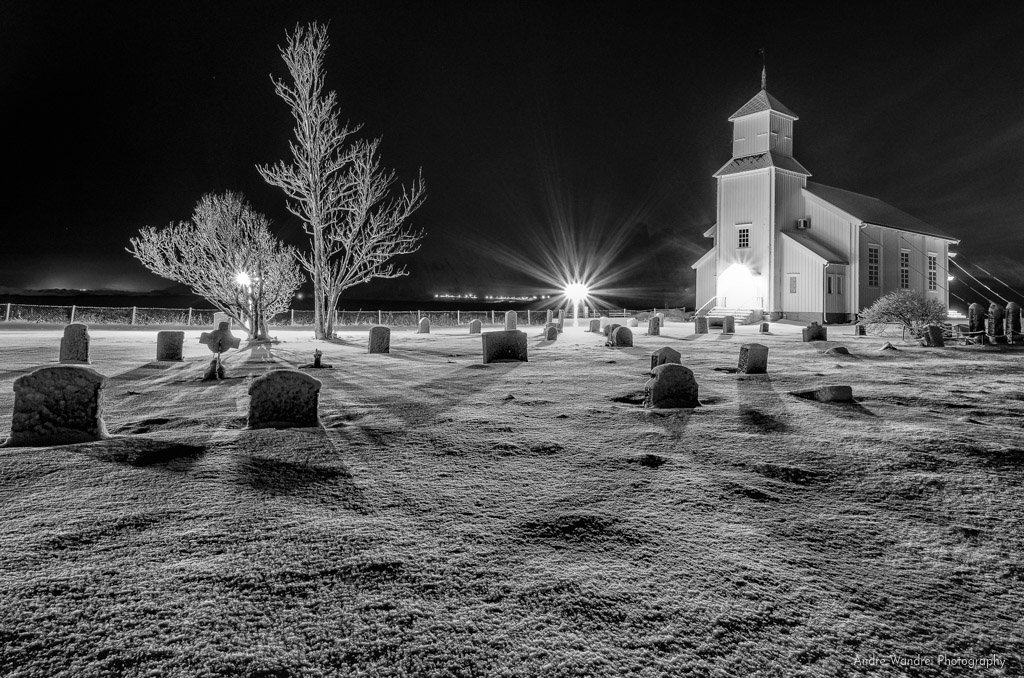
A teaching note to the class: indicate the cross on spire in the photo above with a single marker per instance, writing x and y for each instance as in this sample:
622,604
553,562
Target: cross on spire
764,69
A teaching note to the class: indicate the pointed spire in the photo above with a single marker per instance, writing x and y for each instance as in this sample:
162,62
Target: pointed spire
764,70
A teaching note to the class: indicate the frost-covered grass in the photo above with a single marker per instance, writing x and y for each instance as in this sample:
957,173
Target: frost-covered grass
457,519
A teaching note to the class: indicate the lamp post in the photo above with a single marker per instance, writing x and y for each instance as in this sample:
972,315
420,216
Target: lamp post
576,292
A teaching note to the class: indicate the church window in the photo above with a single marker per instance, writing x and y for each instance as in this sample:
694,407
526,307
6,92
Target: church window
872,265
792,284
905,269
743,237
933,272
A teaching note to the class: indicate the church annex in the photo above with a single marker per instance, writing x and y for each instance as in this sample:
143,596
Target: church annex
792,248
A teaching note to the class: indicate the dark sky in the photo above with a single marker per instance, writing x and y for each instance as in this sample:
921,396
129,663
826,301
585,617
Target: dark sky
594,123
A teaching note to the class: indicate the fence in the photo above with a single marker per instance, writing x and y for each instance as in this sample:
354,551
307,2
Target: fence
135,315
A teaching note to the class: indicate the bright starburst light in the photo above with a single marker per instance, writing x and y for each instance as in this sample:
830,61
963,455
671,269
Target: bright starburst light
576,292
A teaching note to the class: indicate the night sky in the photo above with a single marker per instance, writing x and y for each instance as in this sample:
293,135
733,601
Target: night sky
539,128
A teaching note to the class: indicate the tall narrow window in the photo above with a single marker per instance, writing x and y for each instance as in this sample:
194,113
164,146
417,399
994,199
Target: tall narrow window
933,272
743,237
872,265
792,284
905,269
830,289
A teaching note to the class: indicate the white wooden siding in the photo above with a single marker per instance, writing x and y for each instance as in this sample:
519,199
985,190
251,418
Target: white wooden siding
706,280
809,269
750,135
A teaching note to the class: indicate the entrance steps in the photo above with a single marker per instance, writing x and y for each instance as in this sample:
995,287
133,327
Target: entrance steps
743,316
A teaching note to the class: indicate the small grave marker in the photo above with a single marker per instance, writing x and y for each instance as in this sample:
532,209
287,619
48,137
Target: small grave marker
74,345
424,327
59,405
814,332
474,326
550,332
671,386
933,336
632,322
511,320
218,341
700,324
729,325
764,328
654,326
664,356
284,399
621,337
595,325
753,359
976,318
169,344
504,346
379,340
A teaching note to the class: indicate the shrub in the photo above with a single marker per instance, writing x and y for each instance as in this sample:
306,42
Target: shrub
911,310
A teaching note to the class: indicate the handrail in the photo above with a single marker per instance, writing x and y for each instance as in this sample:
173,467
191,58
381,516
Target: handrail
697,312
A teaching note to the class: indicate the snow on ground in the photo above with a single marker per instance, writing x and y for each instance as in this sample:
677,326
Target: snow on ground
522,519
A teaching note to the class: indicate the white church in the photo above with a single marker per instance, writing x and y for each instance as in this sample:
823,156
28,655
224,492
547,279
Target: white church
792,248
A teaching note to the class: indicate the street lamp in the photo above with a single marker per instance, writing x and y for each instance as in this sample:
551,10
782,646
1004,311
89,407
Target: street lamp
576,292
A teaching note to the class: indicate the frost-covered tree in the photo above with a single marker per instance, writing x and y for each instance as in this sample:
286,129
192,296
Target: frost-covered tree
337,187
227,255
911,310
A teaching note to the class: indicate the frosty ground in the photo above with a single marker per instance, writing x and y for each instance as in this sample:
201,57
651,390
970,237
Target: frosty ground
523,519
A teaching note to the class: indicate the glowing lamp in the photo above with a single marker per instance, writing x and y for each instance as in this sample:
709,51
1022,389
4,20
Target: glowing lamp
243,279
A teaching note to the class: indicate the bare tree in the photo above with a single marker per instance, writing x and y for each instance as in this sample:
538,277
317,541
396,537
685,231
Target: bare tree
337,187
227,255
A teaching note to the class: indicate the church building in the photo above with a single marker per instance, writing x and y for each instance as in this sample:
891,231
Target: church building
792,248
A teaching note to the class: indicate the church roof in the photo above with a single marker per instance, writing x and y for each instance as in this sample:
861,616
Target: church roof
760,161
873,211
762,101
807,240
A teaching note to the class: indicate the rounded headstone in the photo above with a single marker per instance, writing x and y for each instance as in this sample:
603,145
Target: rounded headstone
424,326
671,385
511,320
753,359
654,326
474,326
284,399
59,405
551,332
632,322
169,344
379,340
595,325
976,318
504,346
665,355
622,336
74,345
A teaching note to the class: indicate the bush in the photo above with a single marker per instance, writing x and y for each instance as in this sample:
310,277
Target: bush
911,310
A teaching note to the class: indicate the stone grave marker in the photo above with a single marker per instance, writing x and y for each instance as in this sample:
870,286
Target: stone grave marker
511,320
74,345
933,336
474,326
976,318
59,405
221,317
379,340
729,325
549,317
996,315
753,359
828,394
284,399
671,385
609,328
169,344
424,327
504,346
595,325
764,328
632,322
661,318
700,324
218,341
561,320
620,337
860,330
1012,323
654,326
550,332
604,321
665,355
814,332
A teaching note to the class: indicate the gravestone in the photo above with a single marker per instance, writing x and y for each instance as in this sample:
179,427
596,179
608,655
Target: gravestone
700,324
621,337
504,346
609,328
994,331
221,317
860,330
474,326
632,322
666,355
976,318
284,399
933,336
828,394
511,320
550,332
661,318
753,359
996,315
59,405
814,332
671,385
380,340
169,344
729,325
74,345
604,322
561,320
654,326
218,341
595,325
1012,323
549,317
764,328
424,326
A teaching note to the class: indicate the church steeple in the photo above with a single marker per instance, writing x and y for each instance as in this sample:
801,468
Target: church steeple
762,124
